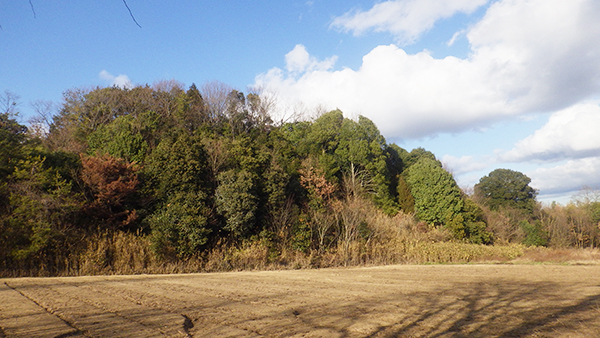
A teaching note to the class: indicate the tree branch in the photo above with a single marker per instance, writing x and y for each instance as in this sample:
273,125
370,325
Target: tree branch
32,9
134,20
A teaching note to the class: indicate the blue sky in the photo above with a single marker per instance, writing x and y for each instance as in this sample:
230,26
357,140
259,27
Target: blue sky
482,84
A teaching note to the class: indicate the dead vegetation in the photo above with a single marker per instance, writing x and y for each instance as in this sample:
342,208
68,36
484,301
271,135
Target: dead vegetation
377,239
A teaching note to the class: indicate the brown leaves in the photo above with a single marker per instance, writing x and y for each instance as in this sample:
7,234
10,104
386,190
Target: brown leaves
113,183
314,181
111,179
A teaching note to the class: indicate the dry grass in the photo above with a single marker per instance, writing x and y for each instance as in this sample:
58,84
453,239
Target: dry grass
391,240
561,256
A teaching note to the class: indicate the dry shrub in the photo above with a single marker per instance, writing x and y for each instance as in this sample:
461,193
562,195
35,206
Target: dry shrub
126,253
561,255
401,239
573,225
381,240
459,252
255,255
116,253
504,225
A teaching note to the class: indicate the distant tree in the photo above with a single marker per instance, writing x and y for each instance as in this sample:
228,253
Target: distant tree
405,198
40,221
437,197
535,234
119,139
39,124
362,147
320,193
236,200
323,138
179,225
505,188
12,138
9,102
589,199
395,164
339,145
415,155
215,95
176,177
396,158
193,113
440,202
113,184
475,223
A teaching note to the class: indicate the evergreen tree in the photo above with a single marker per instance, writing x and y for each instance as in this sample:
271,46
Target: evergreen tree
505,188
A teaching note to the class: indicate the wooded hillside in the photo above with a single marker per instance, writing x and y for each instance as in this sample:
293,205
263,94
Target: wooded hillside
178,175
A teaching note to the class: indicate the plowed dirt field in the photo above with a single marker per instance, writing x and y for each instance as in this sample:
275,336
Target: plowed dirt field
391,301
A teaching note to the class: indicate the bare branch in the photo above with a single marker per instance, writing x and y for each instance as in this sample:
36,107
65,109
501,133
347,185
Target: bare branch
41,121
134,20
9,102
32,9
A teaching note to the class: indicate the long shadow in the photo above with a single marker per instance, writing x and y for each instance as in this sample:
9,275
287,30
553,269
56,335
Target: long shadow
509,310
479,310
497,308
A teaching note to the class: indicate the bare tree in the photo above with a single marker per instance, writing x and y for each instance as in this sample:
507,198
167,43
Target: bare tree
215,94
165,93
9,102
586,195
41,121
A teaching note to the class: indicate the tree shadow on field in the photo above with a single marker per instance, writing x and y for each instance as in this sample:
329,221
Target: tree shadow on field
496,310
506,309
361,308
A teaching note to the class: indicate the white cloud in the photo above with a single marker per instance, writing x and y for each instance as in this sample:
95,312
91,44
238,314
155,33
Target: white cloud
405,19
570,133
407,96
298,61
568,177
121,81
542,54
464,164
454,37
526,57
571,139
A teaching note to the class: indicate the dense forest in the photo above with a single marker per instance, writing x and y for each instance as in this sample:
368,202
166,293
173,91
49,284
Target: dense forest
160,179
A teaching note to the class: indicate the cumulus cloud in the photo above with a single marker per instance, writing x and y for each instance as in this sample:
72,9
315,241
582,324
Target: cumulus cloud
408,96
542,54
405,19
121,80
298,61
464,164
526,57
568,149
570,133
568,177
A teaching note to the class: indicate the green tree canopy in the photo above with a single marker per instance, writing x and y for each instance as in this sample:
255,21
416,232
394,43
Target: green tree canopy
440,202
438,199
12,138
505,188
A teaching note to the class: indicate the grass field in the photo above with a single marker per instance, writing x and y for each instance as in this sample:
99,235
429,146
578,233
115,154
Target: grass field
519,300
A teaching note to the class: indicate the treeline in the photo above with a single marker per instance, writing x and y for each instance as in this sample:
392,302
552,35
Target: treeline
190,174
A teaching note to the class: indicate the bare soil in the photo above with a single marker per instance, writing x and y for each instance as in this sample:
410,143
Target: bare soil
390,301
